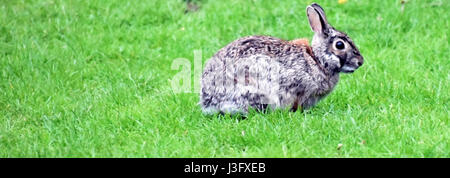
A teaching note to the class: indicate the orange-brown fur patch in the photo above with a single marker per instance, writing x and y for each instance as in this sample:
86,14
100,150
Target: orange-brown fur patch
303,42
300,41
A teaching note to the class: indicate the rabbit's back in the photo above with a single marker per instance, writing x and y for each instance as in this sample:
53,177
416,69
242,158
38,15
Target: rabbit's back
258,45
255,71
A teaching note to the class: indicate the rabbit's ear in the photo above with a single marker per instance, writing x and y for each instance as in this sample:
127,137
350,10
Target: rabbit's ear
317,19
321,11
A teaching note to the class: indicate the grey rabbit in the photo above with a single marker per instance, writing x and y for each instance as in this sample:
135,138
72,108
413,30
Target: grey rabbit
264,72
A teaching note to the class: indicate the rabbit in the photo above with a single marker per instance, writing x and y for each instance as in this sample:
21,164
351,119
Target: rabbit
264,72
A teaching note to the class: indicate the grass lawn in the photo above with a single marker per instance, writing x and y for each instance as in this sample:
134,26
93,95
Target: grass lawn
91,79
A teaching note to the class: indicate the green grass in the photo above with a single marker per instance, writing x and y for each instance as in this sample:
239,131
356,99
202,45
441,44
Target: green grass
91,79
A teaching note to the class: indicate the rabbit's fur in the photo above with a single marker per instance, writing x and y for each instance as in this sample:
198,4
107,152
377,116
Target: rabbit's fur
266,72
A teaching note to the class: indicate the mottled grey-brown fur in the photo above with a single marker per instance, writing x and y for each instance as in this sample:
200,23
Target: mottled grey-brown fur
266,72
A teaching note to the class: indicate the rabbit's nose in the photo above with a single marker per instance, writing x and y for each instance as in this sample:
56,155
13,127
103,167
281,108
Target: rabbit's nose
360,61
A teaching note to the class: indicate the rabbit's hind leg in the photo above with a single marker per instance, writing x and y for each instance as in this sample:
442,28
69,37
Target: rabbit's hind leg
233,108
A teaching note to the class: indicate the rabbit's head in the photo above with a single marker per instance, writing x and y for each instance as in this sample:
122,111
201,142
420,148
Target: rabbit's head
334,49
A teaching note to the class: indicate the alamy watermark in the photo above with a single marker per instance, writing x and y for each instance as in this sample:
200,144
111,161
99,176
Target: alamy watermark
254,74
181,82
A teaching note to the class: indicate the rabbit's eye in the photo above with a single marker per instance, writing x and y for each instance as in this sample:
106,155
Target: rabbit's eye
340,45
